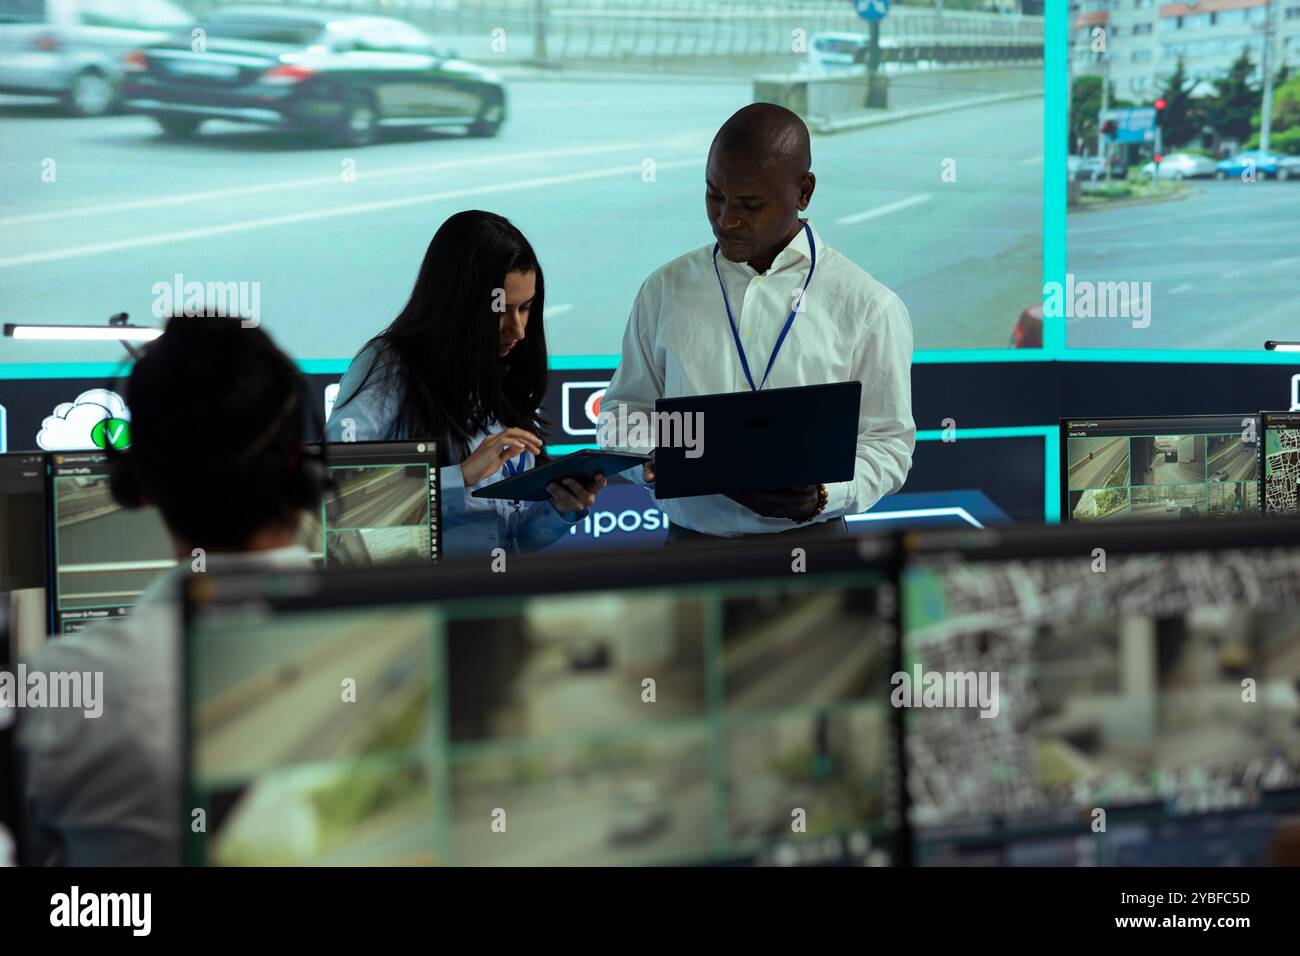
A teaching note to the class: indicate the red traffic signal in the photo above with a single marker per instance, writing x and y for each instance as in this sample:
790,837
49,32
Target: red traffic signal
1160,104
1110,127
1158,158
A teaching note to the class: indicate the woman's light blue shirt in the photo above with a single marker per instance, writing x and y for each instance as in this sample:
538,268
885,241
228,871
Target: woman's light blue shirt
471,527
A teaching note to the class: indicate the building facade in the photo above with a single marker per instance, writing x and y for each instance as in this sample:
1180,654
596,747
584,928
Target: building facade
1146,38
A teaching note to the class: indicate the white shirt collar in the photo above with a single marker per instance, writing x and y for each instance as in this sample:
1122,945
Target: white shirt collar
795,253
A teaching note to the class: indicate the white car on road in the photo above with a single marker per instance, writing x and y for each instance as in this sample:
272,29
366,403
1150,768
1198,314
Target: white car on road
1180,166
74,49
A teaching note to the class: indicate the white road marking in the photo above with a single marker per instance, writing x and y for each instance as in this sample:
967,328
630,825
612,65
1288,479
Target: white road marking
333,179
884,210
249,225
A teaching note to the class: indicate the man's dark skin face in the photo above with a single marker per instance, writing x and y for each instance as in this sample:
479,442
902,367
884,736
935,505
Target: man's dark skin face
754,209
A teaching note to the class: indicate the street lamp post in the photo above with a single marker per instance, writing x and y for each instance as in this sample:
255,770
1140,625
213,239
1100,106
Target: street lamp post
1266,65
1102,145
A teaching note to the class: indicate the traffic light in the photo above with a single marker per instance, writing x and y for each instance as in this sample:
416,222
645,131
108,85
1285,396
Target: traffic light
1160,104
1158,158
1110,127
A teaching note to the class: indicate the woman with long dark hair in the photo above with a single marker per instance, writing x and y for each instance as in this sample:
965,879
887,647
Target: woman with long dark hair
464,363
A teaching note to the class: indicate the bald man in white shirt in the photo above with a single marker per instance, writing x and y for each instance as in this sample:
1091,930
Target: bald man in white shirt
753,311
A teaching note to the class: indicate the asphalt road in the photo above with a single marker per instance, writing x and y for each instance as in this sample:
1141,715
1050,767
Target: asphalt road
335,259
1222,267
115,537
1108,465
820,665
576,829
1155,470
1157,505
1239,460
397,498
292,710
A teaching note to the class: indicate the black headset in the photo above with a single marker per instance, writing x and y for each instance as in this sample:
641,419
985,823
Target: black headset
311,478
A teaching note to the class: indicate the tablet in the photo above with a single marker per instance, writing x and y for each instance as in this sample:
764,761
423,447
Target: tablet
531,484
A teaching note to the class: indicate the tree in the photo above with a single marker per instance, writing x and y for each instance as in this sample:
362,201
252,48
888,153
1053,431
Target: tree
1085,104
1178,123
1235,100
1085,101
1286,118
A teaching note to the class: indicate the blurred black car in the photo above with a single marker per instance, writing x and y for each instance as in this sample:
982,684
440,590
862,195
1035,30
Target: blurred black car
346,75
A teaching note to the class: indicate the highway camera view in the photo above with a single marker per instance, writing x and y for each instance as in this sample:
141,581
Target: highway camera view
1161,476
549,715
553,748
1102,706
378,514
596,151
107,555
295,773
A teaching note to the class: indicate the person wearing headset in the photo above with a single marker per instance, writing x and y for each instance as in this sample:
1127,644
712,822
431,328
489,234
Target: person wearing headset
464,364
218,417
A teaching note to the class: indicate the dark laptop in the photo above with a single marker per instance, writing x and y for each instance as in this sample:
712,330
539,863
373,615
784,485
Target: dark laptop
754,441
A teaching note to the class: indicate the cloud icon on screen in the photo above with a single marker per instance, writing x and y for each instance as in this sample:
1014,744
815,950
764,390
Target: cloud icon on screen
96,416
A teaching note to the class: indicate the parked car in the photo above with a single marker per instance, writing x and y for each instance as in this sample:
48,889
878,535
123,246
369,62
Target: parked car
347,75
1090,168
1266,165
73,49
1180,166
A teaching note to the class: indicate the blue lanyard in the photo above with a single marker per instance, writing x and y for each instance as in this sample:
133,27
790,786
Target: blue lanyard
735,333
511,469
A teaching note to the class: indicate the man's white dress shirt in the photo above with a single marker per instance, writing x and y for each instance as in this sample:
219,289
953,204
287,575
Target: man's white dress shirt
849,327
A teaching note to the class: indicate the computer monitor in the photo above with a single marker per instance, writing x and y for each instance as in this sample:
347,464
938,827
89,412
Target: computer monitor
1279,462
723,708
103,556
1106,695
24,553
383,508
1159,468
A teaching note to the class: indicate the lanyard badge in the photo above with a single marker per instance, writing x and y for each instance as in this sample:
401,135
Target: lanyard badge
512,467
735,333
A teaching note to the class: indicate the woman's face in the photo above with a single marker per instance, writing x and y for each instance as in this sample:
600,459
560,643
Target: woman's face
520,288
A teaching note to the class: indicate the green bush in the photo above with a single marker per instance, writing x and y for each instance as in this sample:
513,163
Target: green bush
1116,191
1287,141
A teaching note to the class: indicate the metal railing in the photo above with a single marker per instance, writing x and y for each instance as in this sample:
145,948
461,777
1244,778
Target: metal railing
577,30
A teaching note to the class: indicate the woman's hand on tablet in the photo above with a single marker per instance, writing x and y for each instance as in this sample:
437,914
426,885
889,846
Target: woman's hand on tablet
495,450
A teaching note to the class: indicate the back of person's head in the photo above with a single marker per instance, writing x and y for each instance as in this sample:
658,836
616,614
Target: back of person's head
218,421
445,342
